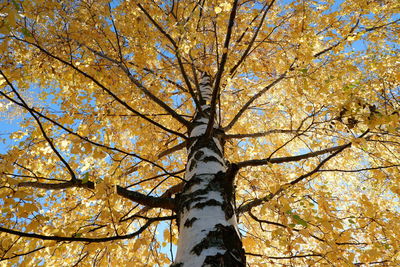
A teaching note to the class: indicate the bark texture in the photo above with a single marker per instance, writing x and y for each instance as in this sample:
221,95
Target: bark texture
208,231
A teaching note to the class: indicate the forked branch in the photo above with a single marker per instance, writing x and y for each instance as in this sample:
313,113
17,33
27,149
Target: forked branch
253,39
221,68
83,138
176,51
141,87
259,201
251,100
104,88
41,127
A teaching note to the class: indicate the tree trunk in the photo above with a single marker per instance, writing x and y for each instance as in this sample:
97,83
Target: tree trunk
208,231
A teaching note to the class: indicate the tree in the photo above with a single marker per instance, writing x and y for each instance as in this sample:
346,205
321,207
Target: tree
267,132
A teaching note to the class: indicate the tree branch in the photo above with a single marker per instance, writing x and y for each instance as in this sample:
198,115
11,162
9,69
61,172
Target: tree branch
167,194
284,257
260,134
84,239
260,162
381,26
251,100
183,89
172,149
382,263
142,199
339,42
297,230
258,201
221,67
294,256
360,170
158,101
22,254
108,91
246,52
46,137
176,51
86,139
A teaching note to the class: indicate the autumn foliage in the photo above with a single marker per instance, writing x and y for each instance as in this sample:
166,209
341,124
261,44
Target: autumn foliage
102,95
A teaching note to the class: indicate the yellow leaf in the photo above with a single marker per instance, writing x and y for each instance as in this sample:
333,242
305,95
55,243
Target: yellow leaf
249,242
166,234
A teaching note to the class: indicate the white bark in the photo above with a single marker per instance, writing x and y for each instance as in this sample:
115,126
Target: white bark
206,212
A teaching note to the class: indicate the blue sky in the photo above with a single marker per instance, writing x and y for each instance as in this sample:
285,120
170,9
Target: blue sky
9,122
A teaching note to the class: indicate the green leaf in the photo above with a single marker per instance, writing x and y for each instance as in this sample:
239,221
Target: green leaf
15,5
25,32
299,220
85,178
351,221
304,71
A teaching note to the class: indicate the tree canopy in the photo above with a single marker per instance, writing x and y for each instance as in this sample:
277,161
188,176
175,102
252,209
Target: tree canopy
104,94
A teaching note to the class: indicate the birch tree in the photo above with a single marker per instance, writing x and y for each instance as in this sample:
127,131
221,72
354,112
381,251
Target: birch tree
199,133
